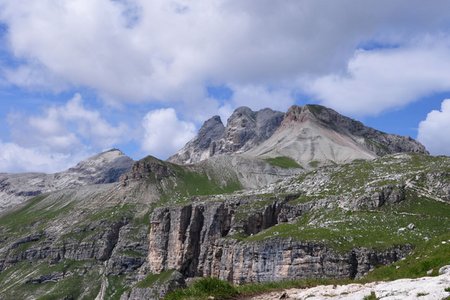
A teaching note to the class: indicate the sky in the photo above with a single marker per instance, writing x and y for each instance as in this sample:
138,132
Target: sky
78,77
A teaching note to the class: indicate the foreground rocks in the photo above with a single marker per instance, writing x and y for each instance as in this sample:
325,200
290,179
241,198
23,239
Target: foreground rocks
430,288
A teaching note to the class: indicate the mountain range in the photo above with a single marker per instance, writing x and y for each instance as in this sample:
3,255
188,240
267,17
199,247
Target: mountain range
271,196
311,133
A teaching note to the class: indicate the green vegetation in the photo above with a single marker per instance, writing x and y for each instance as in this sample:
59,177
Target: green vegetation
372,296
35,214
192,183
14,285
305,199
356,177
187,183
378,229
314,163
114,213
212,287
283,162
151,279
116,287
427,256
204,288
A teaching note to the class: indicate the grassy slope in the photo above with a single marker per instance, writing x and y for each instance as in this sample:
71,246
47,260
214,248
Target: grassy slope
283,162
378,229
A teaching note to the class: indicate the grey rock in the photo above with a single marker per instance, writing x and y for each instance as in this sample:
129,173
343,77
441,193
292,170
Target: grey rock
384,195
194,240
268,133
245,129
53,277
106,167
377,141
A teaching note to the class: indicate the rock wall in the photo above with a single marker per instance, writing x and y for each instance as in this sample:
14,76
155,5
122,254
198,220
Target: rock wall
198,240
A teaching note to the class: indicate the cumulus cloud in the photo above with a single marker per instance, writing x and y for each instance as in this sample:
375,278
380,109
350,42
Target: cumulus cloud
139,50
384,79
165,133
433,131
14,158
66,128
57,138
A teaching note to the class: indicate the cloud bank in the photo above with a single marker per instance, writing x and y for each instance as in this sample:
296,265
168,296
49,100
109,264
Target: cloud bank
170,51
359,58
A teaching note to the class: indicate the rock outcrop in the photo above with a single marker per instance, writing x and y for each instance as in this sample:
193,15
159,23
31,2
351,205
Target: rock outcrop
245,129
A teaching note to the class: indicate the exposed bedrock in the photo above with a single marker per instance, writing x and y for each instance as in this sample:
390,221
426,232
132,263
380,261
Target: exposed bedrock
199,240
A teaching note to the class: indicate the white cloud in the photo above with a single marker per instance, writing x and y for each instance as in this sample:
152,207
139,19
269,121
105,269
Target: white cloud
165,133
57,138
139,50
384,79
259,97
433,131
14,158
66,129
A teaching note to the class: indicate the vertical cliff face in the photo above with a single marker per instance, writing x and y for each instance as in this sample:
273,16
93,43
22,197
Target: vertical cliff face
201,240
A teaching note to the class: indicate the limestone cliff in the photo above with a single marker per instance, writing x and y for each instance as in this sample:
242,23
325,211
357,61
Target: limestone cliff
205,239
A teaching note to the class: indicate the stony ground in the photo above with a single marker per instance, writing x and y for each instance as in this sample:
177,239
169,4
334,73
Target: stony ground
428,288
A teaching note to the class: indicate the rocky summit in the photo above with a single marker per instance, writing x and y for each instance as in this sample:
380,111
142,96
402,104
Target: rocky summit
311,135
271,200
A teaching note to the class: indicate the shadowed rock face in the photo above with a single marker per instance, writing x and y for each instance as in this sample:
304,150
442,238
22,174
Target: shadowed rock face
304,133
245,129
106,167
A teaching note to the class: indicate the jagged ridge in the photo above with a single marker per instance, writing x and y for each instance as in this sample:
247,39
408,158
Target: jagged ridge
308,134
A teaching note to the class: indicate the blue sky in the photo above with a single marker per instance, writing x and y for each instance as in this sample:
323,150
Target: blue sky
80,77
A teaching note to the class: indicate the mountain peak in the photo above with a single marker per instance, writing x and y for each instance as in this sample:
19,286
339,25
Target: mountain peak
245,129
305,133
296,113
